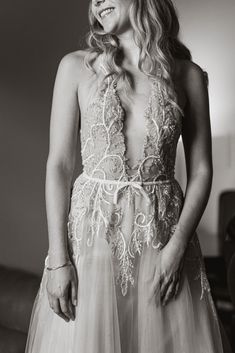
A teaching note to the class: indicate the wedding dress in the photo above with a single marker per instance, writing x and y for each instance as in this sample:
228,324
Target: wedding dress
117,226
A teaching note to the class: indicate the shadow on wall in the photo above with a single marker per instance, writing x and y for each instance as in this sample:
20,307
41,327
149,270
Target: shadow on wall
223,179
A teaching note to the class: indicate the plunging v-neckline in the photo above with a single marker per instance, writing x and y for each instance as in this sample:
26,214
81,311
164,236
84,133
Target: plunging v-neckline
146,112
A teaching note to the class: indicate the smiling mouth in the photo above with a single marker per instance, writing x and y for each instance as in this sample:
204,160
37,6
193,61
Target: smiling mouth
106,12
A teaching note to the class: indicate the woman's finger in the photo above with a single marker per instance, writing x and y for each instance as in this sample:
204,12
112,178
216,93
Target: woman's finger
164,284
74,289
57,309
64,305
50,300
177,287
170,292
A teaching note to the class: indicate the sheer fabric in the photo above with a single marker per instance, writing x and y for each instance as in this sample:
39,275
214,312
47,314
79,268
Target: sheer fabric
117,226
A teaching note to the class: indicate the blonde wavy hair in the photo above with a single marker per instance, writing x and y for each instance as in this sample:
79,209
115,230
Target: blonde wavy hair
156,29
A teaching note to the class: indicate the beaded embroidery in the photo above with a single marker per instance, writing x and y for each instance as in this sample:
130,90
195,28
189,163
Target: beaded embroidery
104,156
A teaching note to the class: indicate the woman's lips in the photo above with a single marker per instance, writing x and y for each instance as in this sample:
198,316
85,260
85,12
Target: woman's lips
105,12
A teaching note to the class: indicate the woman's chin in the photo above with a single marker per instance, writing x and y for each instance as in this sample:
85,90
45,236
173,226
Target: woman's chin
110,28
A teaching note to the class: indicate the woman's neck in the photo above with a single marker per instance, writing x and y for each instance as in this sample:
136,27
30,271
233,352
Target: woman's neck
129,48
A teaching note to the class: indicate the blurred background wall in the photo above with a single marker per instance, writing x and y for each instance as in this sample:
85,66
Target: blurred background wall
208,28
34,37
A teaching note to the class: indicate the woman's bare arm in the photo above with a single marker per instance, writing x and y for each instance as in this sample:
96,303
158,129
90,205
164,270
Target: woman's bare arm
62,154
196,136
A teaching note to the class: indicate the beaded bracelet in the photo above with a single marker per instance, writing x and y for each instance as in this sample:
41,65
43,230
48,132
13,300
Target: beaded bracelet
68,263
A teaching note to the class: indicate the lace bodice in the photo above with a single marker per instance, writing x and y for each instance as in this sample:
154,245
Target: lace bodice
103,141
128,214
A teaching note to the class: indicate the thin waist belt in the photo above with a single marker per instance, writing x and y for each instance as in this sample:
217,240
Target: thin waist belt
134,184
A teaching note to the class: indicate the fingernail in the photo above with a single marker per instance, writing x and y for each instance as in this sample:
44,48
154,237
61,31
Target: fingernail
75,302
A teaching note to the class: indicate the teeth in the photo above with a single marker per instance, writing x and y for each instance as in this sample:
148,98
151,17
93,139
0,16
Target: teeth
106,12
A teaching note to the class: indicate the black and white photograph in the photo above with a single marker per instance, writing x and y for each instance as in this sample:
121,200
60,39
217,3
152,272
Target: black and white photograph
117,176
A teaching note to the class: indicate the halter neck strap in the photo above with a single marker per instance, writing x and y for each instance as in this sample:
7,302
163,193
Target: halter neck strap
103,66
105,71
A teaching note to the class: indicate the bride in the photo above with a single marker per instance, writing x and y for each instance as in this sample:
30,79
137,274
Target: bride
124,271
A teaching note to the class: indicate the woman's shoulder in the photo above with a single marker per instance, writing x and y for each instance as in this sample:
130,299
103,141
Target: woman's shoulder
188,72
190,80
73,66
75,61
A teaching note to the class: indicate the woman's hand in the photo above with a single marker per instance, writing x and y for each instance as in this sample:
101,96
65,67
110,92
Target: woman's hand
62,285
170,267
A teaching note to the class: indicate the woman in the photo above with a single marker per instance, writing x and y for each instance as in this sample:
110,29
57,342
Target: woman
124,271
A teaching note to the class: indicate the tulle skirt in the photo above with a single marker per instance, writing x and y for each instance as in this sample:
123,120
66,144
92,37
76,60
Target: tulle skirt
122,312
108,322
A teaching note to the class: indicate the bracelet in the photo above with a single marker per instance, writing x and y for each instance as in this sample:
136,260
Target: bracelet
68,263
